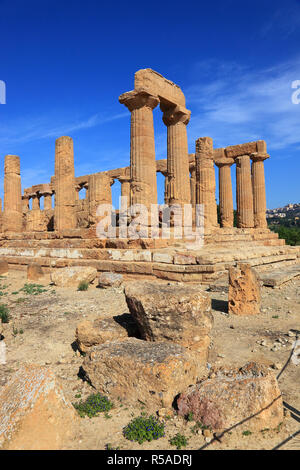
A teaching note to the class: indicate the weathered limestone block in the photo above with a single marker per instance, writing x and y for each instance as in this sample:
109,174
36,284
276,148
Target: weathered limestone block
244,290
36,221
100,331
177,313
3,267
34,272
233,395
68,277
110,279
34,414
133,370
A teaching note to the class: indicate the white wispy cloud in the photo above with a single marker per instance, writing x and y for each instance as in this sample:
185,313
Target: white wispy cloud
241,104
36,128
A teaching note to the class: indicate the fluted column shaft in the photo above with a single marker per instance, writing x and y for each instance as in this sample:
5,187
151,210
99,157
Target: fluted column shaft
193,186
225,192
64,212
259,190
12,216
125,188
47,201
99,193
206,181
244,195
35,202
142,147
176,119
25,204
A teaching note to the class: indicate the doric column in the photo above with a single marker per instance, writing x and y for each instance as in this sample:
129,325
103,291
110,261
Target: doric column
244,195
259,190
225,191
47,201
206,181
12,216
193,185
125,187
176,119
35,202
99,193
25,203
142,146
64,212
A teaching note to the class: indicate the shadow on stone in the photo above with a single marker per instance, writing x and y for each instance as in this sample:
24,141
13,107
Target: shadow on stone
127,321
219,305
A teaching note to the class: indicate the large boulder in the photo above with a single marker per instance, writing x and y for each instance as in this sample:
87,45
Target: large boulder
244,290
230,396
139,371
69,277
101,330
34,414
177,313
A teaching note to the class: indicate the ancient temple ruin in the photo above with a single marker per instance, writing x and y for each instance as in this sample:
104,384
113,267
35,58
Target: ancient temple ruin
63,233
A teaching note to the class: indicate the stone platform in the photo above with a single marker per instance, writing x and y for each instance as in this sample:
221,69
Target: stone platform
174,260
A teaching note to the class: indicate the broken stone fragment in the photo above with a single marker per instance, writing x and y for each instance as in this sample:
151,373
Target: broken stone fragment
69,277
177,313
233,395
101,330
34,272
34,414
110,279
244,290
140,371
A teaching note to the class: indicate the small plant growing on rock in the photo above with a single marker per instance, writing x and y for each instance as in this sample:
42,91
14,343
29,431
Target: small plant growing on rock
83,285
179,440
144,428
93,405
4,313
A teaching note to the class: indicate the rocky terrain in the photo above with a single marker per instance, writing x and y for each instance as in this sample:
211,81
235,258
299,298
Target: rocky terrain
42,328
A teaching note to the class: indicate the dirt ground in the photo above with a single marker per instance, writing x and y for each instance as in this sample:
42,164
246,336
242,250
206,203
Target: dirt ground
42,329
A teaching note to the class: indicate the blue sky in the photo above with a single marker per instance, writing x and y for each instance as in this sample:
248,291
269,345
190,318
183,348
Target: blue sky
66,63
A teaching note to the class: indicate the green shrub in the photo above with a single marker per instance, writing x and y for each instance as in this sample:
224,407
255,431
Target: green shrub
144,428
33,289
83,285
93,405
179,440
4,313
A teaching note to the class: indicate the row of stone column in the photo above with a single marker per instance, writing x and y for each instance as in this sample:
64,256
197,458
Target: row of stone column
250,187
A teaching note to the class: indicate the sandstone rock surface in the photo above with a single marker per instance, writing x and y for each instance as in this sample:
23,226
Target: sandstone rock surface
110,279
244,290
34,272
233,395
3,268
100,331
34,414
177,313
68,277
136,370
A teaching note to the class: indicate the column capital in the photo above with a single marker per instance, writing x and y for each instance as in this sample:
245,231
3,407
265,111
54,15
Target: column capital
224,162
259,157
124,179
137,99
174,114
